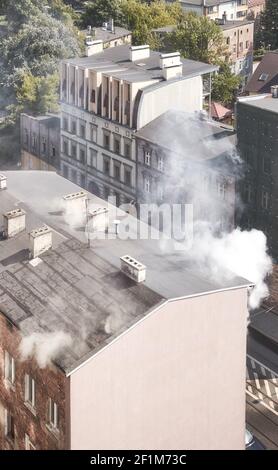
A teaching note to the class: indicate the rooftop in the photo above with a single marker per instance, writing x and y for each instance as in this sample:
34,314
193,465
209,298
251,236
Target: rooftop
229,24
115,61
78,289
183,127
265,75
266,102
106,35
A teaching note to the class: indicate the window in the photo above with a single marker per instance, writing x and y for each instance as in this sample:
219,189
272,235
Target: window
247,44
25,137
53,151
93,133
221,189
93,96
117,144
265,200
43,145
92,158
28,444
266,164
147,184
147,158
53,414
127,151
117,171
160,192
34,141
82,130
228,40
82,181
65,147
9,368
9,425
73,127
73,176
30,390
106,166
128,176
82,155
160,163
234,48
106,140
65,123
65,171
263,77
73,150
248,193
241,46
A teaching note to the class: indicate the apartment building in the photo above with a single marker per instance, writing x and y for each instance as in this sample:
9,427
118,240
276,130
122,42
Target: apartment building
108,34
70,312
233,9
106,97
239,37
186,159
40,142
257,121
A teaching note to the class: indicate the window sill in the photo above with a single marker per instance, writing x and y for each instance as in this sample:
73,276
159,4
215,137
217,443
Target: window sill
30,408
54,431
9,385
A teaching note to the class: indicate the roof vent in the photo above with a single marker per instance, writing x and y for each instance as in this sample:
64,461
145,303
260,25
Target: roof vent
133,268
14,222
40,241
139,52
274,91
171,65
3,182
98,219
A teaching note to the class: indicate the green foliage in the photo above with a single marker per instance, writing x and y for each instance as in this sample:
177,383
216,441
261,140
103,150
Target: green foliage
197,38
225,85
40,33
267,36
137,16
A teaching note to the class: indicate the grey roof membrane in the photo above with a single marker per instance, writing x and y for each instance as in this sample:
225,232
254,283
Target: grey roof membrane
78,289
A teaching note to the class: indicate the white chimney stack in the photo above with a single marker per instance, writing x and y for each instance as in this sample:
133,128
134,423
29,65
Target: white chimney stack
40,241
14,222
3,182
274,91
93,46
171,65
139,52
133,269
98,219
75,203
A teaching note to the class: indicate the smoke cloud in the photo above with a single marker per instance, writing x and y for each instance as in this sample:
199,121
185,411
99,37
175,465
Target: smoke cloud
44,347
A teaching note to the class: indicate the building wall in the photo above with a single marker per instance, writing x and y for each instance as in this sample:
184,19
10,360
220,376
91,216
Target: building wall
49,383
258,147
40,142
212,190
173,381
239,41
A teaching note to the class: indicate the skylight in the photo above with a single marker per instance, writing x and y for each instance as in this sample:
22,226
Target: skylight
263,77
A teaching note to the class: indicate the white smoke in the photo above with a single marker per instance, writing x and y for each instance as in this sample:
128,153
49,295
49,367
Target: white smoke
239,252
44,347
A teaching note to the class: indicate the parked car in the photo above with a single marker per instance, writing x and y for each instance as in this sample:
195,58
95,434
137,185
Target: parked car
251,442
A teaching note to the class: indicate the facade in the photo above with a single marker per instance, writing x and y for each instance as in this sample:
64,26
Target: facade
40,142
257,121
239,36
191,166
82,390
233,9
106,98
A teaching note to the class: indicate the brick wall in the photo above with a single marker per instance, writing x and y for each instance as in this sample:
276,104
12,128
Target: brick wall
49,383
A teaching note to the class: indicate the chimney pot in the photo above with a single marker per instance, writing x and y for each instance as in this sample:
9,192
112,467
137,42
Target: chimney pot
3,182
14,222
139,52
133,268
40,240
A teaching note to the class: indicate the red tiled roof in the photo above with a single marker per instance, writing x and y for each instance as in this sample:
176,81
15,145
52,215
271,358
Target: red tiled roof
218,111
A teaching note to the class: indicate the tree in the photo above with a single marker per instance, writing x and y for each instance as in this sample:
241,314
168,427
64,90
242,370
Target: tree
268,31
35,42
197,38
100,11
225,85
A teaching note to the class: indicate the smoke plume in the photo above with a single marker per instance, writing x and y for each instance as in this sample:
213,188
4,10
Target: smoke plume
44,347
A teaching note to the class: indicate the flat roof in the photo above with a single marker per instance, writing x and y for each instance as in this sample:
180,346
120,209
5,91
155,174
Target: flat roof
266,102
79,289
231,24
106,35
143,69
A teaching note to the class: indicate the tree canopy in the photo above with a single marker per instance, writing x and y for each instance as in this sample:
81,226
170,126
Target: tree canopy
267,36
40,33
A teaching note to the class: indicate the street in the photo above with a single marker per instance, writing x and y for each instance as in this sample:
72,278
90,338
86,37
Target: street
262,392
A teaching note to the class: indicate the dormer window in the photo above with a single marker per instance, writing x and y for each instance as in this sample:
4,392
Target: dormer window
263,77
